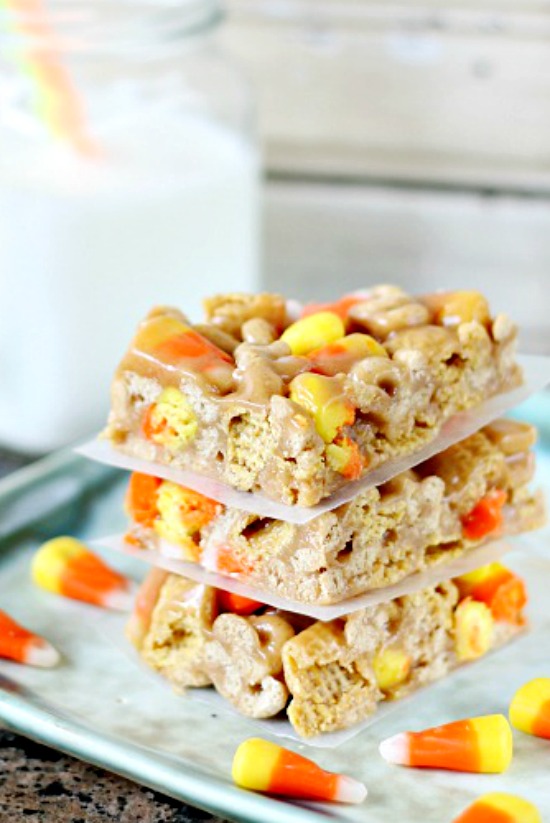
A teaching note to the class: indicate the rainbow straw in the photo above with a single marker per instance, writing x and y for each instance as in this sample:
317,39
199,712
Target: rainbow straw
58,103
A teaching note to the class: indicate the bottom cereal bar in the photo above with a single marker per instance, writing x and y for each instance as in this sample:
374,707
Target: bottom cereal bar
327,676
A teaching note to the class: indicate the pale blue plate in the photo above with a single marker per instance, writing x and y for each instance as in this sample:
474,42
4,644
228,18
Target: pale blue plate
98,705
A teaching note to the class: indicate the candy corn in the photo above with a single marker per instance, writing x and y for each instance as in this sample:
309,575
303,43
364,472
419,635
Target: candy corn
498,807
340,356
313,332
530,708
391,668
474,629
451,308
141,498
266,767
499,588
169,339
340,307
65,566
182,513
17,643
479,744
171,421
344,456
486,517
324,398
237,604
190,344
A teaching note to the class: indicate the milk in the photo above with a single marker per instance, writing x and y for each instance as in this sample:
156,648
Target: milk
167,213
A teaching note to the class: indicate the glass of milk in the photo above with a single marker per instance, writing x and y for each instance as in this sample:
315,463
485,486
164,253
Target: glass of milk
163,210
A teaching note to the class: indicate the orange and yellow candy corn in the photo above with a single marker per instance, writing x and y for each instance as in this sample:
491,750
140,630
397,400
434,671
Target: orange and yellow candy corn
340,356
171,340
65,566
324,398
313,332
474,629
141,498
344,456
267,767
341,307
499,588
21,645
486,517
237,603
498,807
479,744
530,708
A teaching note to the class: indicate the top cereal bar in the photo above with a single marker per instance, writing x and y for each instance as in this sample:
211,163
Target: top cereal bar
296,403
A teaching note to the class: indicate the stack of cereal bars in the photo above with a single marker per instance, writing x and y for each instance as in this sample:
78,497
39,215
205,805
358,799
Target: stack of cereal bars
297,406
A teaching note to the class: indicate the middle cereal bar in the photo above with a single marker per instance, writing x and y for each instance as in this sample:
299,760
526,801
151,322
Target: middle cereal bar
473,491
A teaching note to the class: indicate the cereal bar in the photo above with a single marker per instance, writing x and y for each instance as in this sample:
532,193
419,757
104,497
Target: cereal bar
327,676
473,491
296,402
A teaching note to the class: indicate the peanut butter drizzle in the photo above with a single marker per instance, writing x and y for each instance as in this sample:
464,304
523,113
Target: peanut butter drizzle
261,370
273,632
146,364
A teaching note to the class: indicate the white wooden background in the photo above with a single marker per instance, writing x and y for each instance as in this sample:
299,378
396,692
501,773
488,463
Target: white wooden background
322,240
456,91
359,99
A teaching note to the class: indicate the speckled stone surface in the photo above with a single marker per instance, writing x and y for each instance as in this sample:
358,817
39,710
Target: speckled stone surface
40,785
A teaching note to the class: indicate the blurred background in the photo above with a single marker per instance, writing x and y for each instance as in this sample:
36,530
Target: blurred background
405,141
155,152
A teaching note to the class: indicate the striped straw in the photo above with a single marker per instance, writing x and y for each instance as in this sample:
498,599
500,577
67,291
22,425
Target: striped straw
57,101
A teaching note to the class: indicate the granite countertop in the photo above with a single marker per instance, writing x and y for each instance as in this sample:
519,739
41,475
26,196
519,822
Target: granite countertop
41,785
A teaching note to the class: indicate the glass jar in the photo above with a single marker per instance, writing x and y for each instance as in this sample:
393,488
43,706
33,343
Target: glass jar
129,177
